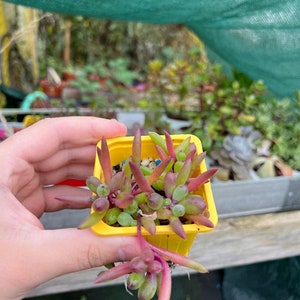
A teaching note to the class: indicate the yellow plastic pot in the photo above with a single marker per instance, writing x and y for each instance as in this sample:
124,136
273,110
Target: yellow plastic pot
120,149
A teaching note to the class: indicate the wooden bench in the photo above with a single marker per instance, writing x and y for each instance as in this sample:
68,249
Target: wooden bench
236,241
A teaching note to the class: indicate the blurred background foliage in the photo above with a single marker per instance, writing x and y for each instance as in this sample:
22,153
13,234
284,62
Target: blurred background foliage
93,39
181,80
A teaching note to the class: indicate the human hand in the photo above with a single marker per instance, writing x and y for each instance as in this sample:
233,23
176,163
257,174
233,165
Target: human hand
32,162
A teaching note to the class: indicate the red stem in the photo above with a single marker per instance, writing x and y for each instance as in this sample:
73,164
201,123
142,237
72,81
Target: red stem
166,280
178,259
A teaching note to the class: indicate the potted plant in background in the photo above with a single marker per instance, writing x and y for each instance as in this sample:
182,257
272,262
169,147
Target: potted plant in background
220,109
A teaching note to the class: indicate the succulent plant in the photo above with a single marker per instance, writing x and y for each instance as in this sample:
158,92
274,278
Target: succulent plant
243,157
237,153
267,165
147,194
271,166
161,193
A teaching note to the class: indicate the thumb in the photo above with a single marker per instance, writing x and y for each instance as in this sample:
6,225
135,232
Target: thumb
71,250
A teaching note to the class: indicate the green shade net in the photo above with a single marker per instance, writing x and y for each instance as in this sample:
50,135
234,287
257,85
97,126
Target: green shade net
259,38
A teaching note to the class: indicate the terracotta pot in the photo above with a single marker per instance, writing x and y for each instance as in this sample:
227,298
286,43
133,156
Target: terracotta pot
52,90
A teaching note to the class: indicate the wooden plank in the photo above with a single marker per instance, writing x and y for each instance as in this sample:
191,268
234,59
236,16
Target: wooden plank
235,241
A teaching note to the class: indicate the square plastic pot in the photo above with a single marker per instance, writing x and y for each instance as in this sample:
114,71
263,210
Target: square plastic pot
121,149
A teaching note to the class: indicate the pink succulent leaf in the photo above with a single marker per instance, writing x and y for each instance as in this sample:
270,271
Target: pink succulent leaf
201,179
104,158
100,205
165,284
198,160
192,152
140,178
155,201
170,145
161,153
200,220
123,200
114,273
147,255
156,266
179,259
137,147
158,170
177,227
116,182
169,184
194,204
138,265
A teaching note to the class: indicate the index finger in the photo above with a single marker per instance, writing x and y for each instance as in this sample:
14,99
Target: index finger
50,135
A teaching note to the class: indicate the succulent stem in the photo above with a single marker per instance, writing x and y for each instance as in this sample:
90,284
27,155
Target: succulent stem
178,259
165,285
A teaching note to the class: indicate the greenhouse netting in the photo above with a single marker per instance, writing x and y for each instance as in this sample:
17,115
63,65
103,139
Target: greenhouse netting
259,38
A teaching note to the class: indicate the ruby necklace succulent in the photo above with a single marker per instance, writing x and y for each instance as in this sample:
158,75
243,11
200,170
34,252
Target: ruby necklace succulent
143,195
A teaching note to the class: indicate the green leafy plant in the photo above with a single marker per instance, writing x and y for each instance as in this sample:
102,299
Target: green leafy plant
193,88
174,83
147,195
279,122
104,85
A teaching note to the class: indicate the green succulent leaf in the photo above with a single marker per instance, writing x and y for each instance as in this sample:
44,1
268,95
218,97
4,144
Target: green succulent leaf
183,146
158,140
135,280
92,183
180,192
184,173
91,220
